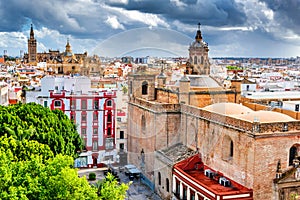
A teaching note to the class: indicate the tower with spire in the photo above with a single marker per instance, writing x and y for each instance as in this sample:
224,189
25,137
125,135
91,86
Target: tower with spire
68,51
32,52
198,55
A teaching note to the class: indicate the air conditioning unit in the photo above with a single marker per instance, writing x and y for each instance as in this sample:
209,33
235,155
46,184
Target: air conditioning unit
209,173
224,181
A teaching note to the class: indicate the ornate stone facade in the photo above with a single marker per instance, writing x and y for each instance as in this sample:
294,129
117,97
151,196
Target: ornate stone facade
198,53
65,62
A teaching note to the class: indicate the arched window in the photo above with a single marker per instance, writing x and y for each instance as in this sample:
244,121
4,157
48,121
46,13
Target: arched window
143,124
159,178
144,88
231,149
293,154
202,59
108,103
195,60
167,185
228,148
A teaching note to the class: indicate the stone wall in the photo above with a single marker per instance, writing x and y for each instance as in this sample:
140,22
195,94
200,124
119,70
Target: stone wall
254,129
166,96
165,170
210,144
255,154
199,98
267,153
162,129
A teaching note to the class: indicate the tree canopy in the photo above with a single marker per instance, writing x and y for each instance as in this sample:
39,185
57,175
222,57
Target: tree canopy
37,151
110,189
35,122
33,179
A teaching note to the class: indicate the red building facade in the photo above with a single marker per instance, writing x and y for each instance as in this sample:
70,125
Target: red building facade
92,110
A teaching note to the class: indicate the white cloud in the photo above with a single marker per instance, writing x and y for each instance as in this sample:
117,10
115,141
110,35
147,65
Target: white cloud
119,1
129,16
178,3
13,40
114,23
236,28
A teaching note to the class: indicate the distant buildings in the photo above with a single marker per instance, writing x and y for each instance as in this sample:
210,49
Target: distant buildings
65,62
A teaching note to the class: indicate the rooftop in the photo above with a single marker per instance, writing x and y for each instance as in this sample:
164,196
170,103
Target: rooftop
264,116
273,95
177,152
203,81
244,113
228,108
193,169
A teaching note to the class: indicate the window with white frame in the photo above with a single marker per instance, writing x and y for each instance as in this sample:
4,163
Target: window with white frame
83,117
83,104
95,145
109,143
95,131
83,131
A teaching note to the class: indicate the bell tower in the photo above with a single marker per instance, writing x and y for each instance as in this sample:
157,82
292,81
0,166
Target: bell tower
31,46
198,55
141,84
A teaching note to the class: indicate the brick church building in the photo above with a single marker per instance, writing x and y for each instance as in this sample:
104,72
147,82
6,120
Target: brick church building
199,142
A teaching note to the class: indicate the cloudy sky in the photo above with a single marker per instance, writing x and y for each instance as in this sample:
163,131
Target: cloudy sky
244,28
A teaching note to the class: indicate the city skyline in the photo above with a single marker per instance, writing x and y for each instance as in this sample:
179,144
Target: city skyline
116,28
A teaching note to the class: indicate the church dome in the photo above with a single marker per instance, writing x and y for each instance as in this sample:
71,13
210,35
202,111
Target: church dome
66,53
197,44
264,116
244,113
228,108
199,40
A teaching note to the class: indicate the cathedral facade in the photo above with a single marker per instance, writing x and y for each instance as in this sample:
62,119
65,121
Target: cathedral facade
65,62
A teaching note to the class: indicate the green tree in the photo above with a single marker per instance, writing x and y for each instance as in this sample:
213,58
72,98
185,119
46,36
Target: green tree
25,149
37,150
110,189
35,122
124,89
33,179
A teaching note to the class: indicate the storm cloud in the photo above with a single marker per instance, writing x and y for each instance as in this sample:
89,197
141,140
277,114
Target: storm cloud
230,27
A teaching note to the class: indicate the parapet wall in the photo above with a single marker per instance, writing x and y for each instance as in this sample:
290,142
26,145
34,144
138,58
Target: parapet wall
156,106
256,107
253,128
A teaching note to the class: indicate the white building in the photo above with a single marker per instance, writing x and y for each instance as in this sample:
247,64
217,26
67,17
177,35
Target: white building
93,111
3,94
